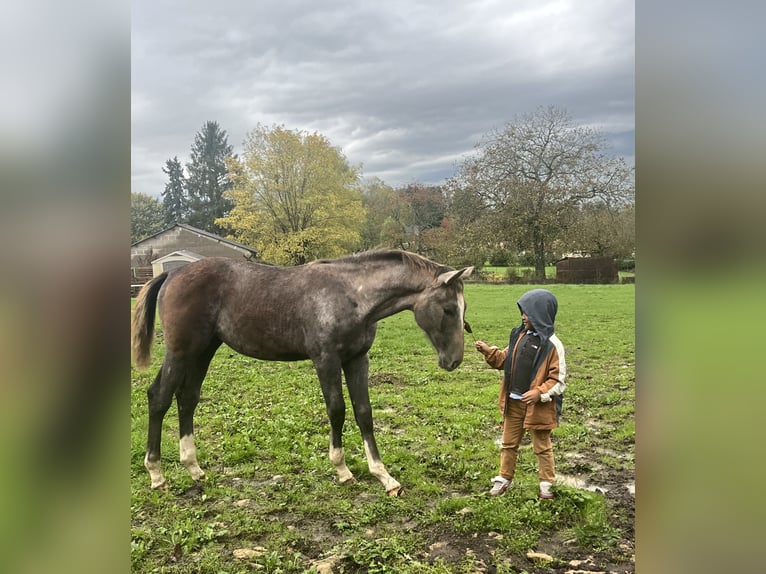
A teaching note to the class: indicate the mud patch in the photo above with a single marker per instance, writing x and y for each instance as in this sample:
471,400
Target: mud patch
385,379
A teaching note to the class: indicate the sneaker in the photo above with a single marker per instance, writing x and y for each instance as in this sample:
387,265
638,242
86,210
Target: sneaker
545,490
500,486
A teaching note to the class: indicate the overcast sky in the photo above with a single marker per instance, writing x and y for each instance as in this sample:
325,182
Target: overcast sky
406,88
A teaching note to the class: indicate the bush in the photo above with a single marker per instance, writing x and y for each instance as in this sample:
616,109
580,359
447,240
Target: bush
500,258
511,276
626,265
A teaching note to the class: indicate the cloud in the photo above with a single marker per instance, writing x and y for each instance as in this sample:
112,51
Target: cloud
403,88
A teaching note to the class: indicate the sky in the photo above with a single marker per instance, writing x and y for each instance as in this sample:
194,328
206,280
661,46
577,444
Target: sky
405,88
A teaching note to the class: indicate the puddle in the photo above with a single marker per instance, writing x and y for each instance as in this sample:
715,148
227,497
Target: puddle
576,482
582,484
614,453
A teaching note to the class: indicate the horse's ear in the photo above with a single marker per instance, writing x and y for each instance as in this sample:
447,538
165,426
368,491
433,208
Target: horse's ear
450,276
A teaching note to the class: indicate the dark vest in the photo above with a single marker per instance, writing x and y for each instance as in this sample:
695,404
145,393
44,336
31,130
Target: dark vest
522,363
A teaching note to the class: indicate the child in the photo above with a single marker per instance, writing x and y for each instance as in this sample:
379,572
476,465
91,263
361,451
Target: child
534,375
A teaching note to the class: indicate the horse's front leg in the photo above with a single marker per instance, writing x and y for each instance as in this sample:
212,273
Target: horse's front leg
356,378
328,371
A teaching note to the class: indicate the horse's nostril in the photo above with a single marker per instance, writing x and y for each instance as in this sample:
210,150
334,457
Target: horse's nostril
451,366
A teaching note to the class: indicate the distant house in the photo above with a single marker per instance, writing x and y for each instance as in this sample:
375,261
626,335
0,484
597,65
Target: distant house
178,245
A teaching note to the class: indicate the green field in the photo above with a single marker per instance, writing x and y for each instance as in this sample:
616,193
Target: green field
271,501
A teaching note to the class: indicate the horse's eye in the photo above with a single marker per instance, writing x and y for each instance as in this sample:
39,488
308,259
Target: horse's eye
449,311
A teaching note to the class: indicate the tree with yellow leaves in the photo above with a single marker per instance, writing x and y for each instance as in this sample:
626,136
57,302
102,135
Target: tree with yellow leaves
295,197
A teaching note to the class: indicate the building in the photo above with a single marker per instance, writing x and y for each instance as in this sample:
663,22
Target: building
586,270
179,245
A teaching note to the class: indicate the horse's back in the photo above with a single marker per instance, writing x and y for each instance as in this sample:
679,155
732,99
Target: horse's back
262,311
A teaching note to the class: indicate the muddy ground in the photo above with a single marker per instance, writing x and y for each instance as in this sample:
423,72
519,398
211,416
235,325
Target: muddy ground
568,558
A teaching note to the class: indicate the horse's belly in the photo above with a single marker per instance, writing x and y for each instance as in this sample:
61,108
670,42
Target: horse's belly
267,353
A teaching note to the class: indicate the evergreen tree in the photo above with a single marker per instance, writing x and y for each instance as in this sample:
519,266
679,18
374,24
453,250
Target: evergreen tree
174,199
208,177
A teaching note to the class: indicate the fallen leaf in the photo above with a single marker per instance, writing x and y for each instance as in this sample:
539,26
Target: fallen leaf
248,553
540,556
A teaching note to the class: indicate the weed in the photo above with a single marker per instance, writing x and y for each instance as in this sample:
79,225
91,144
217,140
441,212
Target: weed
587,512
381,554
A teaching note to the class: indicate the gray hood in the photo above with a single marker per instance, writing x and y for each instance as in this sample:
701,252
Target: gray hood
540,306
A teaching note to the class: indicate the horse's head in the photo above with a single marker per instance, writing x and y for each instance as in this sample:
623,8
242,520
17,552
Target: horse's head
440,312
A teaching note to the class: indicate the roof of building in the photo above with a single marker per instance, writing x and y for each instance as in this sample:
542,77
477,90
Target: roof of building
202,233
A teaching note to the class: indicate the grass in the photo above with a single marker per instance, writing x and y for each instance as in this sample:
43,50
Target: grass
262,436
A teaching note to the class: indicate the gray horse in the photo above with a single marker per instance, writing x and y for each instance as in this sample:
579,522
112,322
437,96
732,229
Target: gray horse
326,311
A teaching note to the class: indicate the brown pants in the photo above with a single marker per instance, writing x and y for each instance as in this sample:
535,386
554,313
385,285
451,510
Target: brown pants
513,431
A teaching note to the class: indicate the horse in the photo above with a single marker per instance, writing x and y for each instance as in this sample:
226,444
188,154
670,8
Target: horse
325,311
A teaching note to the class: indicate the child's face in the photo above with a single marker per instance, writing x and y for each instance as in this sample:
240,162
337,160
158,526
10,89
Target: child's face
527,323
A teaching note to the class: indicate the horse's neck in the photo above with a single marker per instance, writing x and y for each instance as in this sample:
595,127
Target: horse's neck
385,291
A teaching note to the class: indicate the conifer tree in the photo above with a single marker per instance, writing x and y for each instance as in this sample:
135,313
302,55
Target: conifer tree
174,197
208,177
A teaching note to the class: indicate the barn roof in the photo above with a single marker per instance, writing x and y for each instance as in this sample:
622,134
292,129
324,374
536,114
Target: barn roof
202,233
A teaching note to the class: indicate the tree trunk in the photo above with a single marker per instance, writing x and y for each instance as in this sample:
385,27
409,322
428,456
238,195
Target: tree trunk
539,255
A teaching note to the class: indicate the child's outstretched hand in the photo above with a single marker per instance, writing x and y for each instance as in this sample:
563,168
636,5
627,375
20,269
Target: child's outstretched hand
482,347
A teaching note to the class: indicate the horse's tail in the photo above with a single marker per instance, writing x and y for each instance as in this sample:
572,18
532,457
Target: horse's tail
142,327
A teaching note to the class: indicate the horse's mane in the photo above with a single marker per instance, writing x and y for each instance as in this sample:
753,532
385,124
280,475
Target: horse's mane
412,260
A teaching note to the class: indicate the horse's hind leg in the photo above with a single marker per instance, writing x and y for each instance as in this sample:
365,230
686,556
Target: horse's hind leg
356,379
160,395
187,397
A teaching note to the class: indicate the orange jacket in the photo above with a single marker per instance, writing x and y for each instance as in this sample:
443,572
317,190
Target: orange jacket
549,380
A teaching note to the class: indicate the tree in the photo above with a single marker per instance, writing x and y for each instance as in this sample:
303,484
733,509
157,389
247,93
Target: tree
463,202
427,210
379,201
145,216
295,197
174,199
399,218
604,231
208,177
472,229
536,173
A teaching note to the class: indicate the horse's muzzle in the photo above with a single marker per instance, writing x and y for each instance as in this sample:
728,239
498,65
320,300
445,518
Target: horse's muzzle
450,366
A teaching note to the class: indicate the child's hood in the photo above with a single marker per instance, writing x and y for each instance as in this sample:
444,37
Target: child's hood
540,306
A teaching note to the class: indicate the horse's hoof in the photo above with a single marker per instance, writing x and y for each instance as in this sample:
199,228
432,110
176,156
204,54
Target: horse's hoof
161,486
396,492
349,480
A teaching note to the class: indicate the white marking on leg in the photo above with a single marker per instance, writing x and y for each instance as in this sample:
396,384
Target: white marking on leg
338,458
155,472
188,456
378,470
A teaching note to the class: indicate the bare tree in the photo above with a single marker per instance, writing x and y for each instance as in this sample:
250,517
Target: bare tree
536,173
604,231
